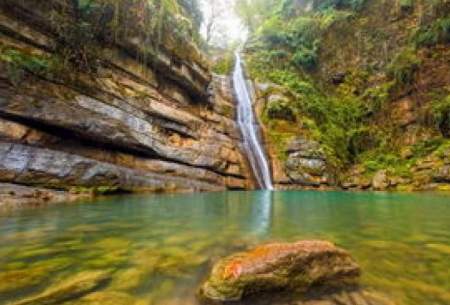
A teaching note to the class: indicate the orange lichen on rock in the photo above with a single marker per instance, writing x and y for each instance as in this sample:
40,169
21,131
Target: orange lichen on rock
280,266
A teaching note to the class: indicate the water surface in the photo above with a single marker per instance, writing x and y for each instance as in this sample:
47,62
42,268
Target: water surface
159,247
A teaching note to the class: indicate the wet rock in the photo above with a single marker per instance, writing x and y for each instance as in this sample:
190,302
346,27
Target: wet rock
77,286
128,279
15,280
347,297
107,298
380,181
15,196
294,267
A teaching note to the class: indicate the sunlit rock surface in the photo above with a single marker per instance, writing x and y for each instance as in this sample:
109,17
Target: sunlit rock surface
295,268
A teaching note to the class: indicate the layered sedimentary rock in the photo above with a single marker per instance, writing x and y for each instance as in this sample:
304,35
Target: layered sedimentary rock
145,118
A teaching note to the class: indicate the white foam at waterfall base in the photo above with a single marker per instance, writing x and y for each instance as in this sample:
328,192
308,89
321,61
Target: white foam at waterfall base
249,129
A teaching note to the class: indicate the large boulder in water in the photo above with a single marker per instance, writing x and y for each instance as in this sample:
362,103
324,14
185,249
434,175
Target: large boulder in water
288,267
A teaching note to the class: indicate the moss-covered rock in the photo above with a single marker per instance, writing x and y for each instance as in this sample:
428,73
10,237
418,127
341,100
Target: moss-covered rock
294,267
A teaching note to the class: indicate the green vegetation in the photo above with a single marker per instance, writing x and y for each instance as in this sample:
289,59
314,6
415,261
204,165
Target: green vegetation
430,35
223,65
100,23
403,67
348,109
406,5
440,110
18,62
295,40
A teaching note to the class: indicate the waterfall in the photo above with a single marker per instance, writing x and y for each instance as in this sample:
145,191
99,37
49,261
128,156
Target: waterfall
249,129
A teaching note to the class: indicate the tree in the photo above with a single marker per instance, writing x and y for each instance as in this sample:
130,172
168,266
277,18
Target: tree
213,11
254,12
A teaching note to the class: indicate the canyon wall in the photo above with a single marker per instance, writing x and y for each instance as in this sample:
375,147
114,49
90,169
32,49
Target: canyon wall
355,94
99,103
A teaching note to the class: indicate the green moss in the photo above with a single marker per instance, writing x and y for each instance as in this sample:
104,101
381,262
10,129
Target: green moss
377,159
19,61
443,150
426,147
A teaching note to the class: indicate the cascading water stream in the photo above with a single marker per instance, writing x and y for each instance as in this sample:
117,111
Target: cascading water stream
249,129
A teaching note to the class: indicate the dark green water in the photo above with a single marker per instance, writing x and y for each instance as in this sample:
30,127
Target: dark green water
160,247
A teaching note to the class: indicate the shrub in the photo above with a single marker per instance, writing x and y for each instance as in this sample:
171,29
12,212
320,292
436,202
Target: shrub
305,58
440,110
404,66
429,35
426,147
224,65
273,32
376,97
340,4
280,110
406,5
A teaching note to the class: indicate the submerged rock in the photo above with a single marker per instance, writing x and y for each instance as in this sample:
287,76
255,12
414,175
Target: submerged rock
345,297
77,286
292,267
108,298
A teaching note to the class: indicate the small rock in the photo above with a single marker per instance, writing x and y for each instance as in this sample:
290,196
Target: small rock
380,181
442,174
294,267
306,148
338,78
107,298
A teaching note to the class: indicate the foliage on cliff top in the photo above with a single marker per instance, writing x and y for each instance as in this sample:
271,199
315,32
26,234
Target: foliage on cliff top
88,25
343,95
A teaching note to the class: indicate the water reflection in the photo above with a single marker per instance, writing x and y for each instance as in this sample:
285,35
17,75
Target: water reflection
262,214
160,247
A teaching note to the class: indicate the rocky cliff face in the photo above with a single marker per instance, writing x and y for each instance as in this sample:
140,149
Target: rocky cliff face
355,94
121,113
297,162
